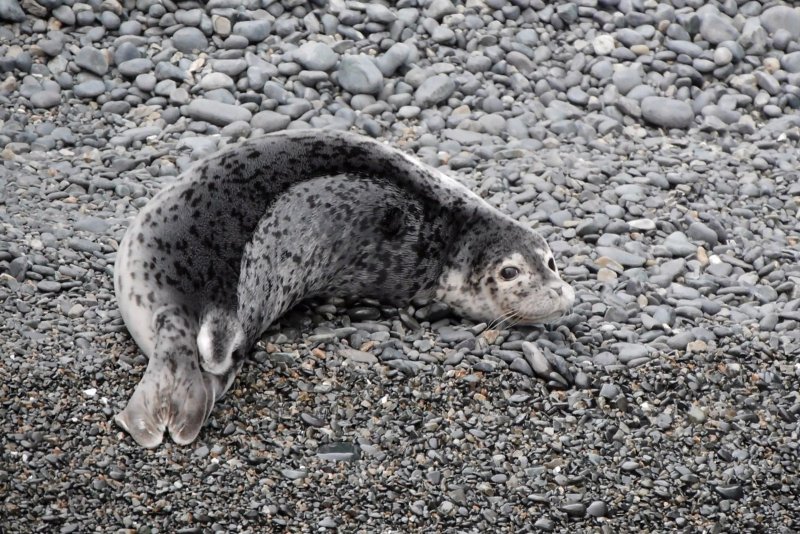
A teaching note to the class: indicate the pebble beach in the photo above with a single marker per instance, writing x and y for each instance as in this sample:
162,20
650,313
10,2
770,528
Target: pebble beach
653,144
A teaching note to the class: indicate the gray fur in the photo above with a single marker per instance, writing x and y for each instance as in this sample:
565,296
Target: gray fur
216,257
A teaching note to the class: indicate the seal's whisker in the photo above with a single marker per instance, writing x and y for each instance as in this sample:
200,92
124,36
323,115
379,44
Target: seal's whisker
516,319
497,323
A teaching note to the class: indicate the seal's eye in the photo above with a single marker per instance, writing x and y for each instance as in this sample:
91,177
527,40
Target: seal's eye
551,263
509,273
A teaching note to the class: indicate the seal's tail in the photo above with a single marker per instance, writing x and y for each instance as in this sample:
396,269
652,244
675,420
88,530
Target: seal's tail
174,394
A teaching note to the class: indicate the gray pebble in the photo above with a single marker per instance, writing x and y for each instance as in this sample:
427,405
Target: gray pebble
358,74
92,59
188,40
269,121
46,99
716,28
701,232
11,11
434,90
217,113
609,391
65,15
125,51
679,245
254,31
134,67
48,286
90,89
597,509
316,56
397,56
437,9
667,112
781,17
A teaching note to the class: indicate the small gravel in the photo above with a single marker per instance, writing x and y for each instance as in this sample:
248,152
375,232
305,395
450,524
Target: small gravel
654,144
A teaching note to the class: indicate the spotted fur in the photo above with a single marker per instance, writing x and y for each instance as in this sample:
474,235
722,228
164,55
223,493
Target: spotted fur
216,257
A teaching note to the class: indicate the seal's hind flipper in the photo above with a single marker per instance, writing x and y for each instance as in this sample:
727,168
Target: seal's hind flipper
173,394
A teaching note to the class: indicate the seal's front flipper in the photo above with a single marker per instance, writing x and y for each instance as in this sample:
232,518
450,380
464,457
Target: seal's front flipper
220,337
173,393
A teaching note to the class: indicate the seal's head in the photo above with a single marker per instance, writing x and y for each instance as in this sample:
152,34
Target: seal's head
508,273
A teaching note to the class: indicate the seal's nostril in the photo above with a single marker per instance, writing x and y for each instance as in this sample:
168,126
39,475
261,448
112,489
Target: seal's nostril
559,290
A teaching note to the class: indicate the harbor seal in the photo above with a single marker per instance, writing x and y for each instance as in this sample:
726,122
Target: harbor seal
247,233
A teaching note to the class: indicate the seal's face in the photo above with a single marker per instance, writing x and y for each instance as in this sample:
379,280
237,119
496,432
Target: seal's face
514,279
527,290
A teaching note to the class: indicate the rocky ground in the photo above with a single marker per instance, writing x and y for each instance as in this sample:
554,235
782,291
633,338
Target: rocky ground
654,144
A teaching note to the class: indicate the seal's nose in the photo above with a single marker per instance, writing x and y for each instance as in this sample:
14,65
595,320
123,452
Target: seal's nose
563,292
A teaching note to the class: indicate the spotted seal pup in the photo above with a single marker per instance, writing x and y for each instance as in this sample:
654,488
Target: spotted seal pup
242,236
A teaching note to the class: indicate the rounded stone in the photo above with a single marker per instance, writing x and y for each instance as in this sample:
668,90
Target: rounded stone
603,45
791,62
189,40
397,56
667,112
597,509
91,59
270,121
135,67
217,113
722,56
781,18
434,90
254,31
715,28
216,80
316,56
48,286
89,89
358,74
45,99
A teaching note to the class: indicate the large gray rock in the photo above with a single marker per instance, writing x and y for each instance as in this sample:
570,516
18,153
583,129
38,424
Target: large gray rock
627,78
135,67
667,112
439,8
434,90
716,28
89,89
380,13
189,39
125,52
254,31
316,56
270,121
397,55
45,99
10,11
217,113
92,59
65,15
791,62
358,74
781,18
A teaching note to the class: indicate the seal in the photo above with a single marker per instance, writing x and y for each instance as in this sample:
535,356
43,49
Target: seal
242,236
